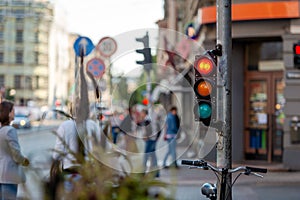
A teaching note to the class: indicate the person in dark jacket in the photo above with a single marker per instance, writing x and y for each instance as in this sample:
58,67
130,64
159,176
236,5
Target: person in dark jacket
172,128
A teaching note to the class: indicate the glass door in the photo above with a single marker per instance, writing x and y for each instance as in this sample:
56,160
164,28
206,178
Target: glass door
278,119
264,115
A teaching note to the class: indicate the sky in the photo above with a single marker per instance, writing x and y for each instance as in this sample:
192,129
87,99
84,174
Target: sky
99,18
114,18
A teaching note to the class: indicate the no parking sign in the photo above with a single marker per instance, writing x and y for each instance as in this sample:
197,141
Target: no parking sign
96,67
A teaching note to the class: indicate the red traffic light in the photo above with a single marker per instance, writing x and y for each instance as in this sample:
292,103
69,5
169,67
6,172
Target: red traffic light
297,49
145,101
204,65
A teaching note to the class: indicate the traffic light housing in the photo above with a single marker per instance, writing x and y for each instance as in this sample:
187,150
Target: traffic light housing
146,51
296,50
205,88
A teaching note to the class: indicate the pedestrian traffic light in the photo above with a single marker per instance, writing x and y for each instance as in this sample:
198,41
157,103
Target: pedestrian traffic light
296,49
146,51
205,84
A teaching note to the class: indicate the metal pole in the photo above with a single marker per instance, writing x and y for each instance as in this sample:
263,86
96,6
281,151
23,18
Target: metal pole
148,89
224,37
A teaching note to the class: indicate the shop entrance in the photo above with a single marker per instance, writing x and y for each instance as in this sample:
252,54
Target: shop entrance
264,101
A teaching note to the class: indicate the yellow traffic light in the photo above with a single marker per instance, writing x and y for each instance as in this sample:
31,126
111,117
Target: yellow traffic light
204,88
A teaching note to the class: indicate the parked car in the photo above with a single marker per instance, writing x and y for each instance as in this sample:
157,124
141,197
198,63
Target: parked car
21,121
34,113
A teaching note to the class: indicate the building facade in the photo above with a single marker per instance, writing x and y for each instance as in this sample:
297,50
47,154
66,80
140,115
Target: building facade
34,52
24,48
61,61
265,82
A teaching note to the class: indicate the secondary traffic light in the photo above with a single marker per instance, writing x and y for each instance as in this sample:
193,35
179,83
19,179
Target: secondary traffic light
146,51
296,49
205,84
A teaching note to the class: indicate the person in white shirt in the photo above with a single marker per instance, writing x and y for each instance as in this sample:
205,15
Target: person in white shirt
67,143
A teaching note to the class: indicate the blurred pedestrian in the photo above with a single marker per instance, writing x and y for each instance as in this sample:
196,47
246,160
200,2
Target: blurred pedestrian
67,146
115,126
172,128
11,158
128,128
69,153
93,134
150,136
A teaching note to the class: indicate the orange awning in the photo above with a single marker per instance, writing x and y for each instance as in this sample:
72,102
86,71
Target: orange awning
254,11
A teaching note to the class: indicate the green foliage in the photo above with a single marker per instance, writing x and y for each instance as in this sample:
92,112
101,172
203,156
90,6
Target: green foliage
101,182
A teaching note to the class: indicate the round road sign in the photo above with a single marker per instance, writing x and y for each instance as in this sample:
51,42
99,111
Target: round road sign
107,46
96,67
83,46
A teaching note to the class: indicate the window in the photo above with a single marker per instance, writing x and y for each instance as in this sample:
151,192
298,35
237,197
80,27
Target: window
35,83
19,13
36,57
36,37
23,82
19,23
2,80
263,51
271,51
1,35
19,19
19,57
18,82
1,57
28,82
19,36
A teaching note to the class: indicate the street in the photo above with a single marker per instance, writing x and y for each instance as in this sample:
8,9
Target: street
231,69
185,183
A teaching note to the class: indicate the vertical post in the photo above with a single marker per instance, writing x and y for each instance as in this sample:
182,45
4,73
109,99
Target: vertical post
110,76
148,88
224,37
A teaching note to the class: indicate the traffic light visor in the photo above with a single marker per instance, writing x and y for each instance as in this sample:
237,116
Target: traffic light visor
204,66
203,88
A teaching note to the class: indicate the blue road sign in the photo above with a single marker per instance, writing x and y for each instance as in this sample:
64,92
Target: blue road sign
83,46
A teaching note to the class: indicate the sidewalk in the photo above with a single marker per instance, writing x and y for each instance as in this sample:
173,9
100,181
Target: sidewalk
183,153
186,176
277,173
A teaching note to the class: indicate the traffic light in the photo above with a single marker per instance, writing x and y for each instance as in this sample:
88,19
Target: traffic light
296,49
146,51
205,88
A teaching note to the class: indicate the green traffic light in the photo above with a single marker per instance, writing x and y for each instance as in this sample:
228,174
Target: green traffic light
204,110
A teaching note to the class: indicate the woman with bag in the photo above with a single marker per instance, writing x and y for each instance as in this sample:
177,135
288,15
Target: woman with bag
11,158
